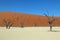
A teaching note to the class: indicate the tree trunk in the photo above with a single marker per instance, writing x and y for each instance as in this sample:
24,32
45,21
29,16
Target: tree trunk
50,27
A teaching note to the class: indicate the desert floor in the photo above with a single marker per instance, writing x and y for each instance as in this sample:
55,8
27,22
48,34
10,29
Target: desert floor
29,33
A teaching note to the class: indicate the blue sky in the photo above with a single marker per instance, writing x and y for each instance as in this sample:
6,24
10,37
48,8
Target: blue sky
37,7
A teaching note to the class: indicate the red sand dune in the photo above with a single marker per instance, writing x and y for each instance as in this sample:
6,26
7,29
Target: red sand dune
28,20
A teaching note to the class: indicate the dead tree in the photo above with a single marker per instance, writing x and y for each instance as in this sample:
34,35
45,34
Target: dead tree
36,21
7,23
22,22
50,21
35,24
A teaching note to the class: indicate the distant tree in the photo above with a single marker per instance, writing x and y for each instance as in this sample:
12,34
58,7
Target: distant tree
22,22
35,24
7,23
50,21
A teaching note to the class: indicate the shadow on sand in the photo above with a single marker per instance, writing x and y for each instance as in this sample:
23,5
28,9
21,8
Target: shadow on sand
54,31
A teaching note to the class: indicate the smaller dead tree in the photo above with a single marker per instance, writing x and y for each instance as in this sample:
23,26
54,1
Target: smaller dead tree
7,23
35,24
36,21
22,24
22,21
50,21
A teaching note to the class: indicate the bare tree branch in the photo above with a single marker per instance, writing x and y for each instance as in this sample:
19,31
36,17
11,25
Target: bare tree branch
50,21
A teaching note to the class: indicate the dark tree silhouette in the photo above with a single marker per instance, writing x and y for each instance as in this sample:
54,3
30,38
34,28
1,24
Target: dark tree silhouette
50,21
